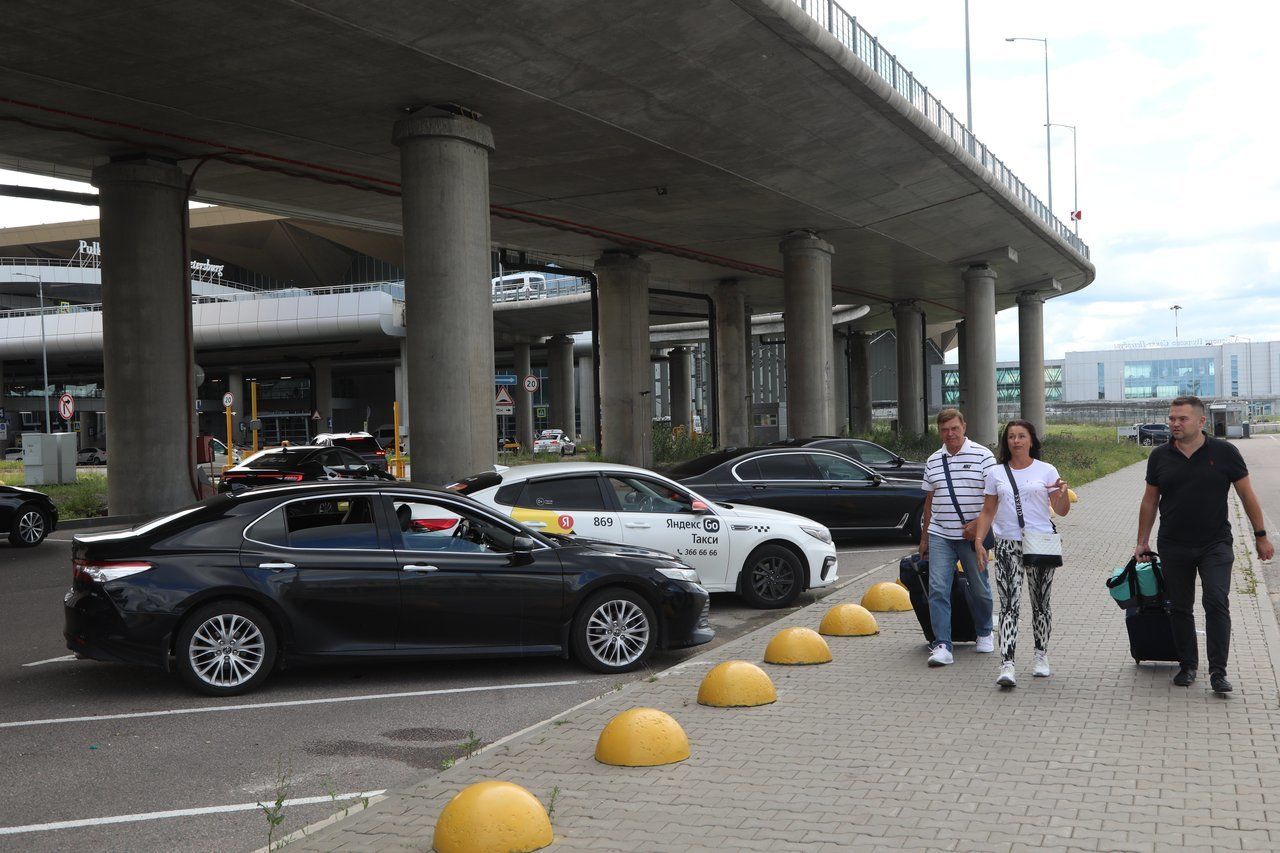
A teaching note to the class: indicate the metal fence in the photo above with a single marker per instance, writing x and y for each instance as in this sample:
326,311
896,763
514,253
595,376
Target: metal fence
866,47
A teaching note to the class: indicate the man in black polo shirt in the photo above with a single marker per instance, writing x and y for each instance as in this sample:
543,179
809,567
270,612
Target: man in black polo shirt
1188,479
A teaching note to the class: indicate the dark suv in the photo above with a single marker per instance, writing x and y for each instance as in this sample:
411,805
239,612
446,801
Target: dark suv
1153,433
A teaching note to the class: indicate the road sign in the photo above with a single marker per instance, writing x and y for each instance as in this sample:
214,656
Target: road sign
228,400
199,406
542,411
66,407
315,415
531,384
504,379
504,410
4,430
502,403
329,423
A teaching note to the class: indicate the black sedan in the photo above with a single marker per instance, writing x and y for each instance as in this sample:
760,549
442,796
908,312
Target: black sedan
301,464
28,515
829,488
231,588
879,459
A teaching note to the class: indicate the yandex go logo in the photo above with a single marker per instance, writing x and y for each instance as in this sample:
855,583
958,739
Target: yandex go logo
565,522
711,525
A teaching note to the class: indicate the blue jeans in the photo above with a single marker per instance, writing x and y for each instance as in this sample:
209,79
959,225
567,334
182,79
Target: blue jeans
943,555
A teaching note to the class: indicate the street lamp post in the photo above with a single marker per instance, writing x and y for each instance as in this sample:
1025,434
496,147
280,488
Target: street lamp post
1075,178
1175,309
44,350
968,76
1048,140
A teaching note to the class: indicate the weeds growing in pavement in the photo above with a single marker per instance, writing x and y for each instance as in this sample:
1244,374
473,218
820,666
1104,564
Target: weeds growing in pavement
551,804
471,744
275,811
447,763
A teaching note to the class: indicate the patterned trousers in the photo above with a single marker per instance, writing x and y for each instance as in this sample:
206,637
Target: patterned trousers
1008,577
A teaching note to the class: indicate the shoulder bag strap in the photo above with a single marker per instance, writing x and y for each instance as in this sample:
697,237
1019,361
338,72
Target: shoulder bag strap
951,489
1017,498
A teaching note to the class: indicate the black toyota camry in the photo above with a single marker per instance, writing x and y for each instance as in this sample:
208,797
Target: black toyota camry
231,588
28,515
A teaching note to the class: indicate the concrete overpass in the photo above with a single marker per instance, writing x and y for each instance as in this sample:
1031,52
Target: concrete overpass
767,152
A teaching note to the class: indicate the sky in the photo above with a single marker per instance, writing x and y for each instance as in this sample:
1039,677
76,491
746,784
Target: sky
1176,122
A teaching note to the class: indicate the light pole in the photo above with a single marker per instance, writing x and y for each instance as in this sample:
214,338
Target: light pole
44,350
1075,178
968,76
1175,309
1048,141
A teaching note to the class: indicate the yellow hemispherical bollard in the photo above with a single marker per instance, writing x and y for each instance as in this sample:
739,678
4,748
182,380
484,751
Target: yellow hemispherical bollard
887,597
736,684
848,620
797,647
492,816
1072,496
642,737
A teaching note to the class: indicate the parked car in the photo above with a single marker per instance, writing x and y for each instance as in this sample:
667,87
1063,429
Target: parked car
361,443
228,589
302,464
218,453
13,454
386,433
1151,434
91,456
769,557
830,488
28,515
509,443
877,458
554,441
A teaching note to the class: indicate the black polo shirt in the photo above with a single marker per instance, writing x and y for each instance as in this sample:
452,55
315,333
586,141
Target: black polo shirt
1193,490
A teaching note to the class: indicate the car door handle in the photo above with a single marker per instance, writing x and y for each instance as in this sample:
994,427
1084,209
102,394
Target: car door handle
276,567
642,525
536,525
414,567
758,488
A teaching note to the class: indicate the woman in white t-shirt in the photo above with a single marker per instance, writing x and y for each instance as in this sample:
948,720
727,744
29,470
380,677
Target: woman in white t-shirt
1039,488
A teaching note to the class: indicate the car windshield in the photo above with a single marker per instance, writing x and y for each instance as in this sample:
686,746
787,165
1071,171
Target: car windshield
276,459
357,444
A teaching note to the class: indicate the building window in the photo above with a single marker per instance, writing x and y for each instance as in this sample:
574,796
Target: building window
1102,381
1235,376
950,386
1165,379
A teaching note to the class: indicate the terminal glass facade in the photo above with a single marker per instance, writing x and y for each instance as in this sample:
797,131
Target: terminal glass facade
1164,379
1008,384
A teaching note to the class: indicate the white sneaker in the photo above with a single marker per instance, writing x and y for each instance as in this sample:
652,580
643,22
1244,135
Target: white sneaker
1007,678
1042,669
941,656
986,645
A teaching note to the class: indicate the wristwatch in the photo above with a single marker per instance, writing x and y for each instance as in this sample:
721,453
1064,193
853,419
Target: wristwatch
1259,533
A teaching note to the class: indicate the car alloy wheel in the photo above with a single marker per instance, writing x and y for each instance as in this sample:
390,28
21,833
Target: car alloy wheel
772,577
226,650
30,528
618,632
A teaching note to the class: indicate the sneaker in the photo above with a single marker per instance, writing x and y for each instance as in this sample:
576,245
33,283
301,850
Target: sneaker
1007,678
1042,669
1218,681
986,645
941,656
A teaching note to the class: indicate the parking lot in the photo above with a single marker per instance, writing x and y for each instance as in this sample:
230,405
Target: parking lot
102,756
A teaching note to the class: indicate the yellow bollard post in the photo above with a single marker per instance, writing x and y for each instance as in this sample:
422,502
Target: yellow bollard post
848,620
253,391
395,439
642,737
797,647
887,596
492,816
736,684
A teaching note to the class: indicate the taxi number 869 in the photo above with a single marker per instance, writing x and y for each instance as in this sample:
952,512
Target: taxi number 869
603,522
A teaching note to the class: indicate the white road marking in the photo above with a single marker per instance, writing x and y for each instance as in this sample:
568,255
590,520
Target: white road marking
51,660
906,546
253,706
133,818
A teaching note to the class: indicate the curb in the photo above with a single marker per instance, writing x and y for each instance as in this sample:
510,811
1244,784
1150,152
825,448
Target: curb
101,521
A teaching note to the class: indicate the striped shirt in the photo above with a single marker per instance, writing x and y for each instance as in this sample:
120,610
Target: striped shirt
969,466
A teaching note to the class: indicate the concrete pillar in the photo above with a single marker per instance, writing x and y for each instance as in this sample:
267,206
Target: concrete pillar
840,379
1031,358
910,368
980,340
322,384
523,399
664,384
625,373
733,364
587,399
143,214
86,418
402,386
681,360
560,384
962,369
860,343
444,171
806,281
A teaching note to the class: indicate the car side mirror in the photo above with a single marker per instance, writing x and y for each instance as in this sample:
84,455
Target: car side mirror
877,479
522,545
899,461
699,506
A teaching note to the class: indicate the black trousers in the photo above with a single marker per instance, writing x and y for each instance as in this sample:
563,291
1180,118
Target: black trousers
1213,563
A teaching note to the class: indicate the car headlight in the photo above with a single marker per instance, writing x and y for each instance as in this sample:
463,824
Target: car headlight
689,575
822,534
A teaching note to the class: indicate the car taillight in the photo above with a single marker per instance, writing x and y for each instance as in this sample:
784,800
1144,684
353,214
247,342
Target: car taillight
432,524
292,476
380,453
101,571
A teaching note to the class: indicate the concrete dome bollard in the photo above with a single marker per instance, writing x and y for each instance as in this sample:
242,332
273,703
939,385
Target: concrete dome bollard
736,684
887,597
848,620
797,647
642,737
493,816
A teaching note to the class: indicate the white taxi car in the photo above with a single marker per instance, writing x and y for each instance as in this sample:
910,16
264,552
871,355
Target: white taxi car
554,441
768,556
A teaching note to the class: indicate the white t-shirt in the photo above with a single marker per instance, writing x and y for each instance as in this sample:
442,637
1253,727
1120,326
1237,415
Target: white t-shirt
1034,483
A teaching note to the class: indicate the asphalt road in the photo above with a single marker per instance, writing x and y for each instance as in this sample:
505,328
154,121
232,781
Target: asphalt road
149,745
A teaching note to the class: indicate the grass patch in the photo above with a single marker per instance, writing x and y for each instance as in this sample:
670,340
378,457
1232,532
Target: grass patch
85,498
1080,452
671,445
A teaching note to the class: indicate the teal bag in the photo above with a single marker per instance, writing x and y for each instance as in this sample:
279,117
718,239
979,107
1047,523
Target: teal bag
1136,584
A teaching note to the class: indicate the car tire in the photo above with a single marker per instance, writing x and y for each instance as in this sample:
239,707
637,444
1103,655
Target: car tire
1147,442
244,629
915,523
771,577
30,526
614,631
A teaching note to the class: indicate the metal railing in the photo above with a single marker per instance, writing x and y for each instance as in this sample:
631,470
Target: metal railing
866,47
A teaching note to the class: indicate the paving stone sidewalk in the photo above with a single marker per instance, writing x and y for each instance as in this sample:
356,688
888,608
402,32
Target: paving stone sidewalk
875,750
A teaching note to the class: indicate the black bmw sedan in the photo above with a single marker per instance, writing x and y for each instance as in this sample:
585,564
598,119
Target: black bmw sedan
231,588
830,488
882,460
300,464
28,515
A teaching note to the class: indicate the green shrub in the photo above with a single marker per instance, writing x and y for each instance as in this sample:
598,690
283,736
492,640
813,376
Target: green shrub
674,444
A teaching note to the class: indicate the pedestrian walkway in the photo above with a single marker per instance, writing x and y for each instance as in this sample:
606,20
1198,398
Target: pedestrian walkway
875,750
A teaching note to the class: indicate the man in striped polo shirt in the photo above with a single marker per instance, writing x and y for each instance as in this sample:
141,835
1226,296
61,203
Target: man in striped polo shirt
953,481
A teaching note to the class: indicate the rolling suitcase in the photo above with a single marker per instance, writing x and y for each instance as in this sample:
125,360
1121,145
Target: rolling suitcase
913,571
1150,633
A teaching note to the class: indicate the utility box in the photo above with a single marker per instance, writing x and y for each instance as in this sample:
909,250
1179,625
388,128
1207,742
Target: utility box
49,457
